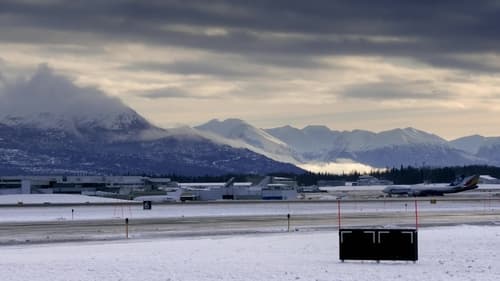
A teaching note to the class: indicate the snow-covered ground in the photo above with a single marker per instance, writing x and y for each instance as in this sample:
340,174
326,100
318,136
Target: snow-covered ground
445,253
91,212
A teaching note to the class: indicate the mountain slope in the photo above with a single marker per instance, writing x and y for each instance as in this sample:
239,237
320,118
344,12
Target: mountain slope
487,148
392,148
239,133
310,143
48,125
470,144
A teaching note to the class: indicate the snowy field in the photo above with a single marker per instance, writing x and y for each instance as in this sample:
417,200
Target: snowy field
135,211
445,253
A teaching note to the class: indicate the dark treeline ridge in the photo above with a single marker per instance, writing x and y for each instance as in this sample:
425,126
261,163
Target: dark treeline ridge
402,175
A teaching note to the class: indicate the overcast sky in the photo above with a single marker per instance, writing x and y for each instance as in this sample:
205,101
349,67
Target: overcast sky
375,65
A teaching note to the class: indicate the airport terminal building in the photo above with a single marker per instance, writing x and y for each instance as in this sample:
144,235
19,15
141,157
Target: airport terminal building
132,187
79,184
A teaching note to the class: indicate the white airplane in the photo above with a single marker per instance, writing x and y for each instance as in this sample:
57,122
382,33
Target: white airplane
458,185
172,195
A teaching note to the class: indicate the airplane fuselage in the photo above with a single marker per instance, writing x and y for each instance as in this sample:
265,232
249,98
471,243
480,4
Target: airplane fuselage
433,189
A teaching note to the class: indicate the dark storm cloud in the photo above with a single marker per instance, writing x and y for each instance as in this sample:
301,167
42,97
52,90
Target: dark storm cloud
422,30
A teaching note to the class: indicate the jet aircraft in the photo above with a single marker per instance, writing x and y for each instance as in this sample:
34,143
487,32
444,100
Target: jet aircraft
458,185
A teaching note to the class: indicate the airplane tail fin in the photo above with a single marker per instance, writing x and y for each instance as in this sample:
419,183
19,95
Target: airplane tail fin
468,183
264,182
230,182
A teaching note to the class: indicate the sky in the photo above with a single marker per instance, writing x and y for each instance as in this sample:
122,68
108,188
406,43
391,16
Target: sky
374,65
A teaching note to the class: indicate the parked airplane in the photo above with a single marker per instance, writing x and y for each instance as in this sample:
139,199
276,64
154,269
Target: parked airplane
458,185
171,195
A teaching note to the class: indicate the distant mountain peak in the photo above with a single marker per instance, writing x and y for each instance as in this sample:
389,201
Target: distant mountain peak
50,125
49,101
316,128
474,143
238,129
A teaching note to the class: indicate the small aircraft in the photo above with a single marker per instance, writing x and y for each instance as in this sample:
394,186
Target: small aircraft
458,185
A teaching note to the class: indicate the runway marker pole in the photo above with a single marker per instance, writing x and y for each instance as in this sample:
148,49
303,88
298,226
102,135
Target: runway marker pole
288,217
126,228
416,214
338,212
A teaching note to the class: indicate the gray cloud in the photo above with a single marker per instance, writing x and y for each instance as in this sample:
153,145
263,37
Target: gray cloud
290,28
201,67
47,92
452,62
229,67
395,90
172,92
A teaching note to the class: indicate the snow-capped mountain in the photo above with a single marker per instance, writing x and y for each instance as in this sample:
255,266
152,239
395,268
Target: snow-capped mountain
48,101
310,143
239,133
125,125
49,125
474,143
397,147
480,146
359,140
320,145
241,130
490,151
318,139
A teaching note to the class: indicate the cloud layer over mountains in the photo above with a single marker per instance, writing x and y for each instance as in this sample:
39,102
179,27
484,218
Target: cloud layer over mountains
47,92
90,114
348,64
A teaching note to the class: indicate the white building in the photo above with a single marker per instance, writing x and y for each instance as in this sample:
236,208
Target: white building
487,179
150,188
270,188
79,184
370,180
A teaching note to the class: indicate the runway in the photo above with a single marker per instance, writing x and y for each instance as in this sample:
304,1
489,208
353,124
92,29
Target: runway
172,220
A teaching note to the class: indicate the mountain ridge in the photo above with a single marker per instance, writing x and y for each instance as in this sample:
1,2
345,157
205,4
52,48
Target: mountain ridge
50,125
389,148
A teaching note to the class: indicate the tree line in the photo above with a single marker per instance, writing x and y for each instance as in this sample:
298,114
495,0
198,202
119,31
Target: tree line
406,174
401,175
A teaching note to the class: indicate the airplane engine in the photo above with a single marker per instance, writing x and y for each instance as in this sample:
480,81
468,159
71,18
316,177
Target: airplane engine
415,193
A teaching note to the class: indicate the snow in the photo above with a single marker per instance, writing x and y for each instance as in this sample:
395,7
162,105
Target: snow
49,101
339,167
470,144
313,148
220,209
237,133
359,140
239,129
54,213
446,253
